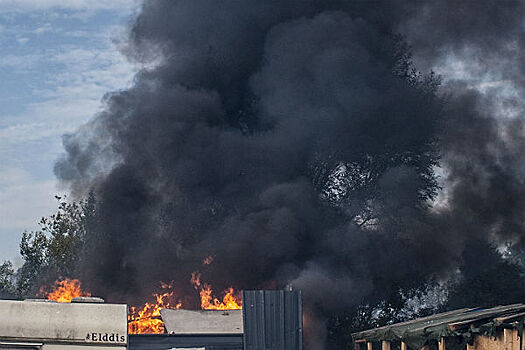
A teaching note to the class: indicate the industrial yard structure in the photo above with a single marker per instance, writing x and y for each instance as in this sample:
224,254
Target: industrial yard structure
268,320
498,328
85,324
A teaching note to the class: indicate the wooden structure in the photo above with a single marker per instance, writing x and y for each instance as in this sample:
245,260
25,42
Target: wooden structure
498,328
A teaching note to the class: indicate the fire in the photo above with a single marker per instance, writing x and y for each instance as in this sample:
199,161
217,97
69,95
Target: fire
208,260
147,319
230,301
64,291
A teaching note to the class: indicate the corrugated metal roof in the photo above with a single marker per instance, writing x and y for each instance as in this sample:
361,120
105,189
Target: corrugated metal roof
272,320
462,324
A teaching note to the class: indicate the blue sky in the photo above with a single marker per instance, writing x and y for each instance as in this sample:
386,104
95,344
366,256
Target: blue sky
57,60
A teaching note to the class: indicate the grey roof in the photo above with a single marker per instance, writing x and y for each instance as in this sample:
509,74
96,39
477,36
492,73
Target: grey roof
462,324
63,323
179,321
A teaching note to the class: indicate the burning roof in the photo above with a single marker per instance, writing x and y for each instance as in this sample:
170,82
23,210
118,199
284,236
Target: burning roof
268,320
294,140
202,322
147,318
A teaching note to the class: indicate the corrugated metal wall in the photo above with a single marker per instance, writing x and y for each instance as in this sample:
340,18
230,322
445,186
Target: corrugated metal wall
272,320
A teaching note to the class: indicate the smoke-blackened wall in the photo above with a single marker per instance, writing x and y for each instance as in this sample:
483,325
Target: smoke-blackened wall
295,142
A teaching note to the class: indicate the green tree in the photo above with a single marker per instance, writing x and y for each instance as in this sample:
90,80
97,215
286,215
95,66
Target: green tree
54,251
487,278
354,184
7,287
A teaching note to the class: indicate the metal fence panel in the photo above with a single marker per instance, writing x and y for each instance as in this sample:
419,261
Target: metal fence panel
272,320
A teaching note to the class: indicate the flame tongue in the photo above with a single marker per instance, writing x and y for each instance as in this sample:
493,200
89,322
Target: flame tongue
147,319
230,301
64,291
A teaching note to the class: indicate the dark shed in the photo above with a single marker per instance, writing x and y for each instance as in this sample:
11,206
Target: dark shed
498,328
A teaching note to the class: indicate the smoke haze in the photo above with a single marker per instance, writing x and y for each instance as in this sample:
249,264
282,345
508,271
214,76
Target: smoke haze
295,142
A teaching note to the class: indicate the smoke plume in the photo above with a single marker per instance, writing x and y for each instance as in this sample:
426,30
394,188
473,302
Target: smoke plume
296,143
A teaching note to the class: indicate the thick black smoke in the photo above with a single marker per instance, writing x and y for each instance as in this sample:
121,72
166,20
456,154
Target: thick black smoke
295,142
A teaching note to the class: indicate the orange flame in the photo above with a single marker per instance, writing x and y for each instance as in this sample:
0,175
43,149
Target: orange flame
64,291
147,319
230,301
208,260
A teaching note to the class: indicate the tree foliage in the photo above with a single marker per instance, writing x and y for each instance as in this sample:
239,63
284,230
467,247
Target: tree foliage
7,287
354,185
54,251
486,278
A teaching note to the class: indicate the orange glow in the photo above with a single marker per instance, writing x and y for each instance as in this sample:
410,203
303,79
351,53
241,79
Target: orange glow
230,301
147,318
64,291
208,260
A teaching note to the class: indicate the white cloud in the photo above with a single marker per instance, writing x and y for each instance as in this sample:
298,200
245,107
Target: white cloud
43,29
70,95
71,98
32,137
75,5
57,88
23,199
87,73
19,61
66,97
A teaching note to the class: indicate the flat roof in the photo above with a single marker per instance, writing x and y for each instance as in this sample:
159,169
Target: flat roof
180,321
41,321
